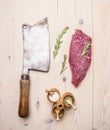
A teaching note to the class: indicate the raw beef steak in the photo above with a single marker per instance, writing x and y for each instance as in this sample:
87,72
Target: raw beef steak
79,56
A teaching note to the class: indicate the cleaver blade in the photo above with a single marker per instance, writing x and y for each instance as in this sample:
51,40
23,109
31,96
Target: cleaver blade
35,57
36,46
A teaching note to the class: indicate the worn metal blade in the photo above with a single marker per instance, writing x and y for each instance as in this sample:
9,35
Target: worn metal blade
36,46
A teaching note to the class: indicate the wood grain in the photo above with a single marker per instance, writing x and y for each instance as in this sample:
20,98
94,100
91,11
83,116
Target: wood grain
101,104
23,110
92,96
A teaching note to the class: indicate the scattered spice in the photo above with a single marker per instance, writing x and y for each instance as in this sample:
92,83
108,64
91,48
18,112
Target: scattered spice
64,79
37,104
26,124
49,120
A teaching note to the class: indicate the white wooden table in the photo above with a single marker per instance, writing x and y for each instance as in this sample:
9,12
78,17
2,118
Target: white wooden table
93,94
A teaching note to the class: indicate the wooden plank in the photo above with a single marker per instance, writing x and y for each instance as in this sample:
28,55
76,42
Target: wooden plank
13,14
6,81
60,13
101,24
70,13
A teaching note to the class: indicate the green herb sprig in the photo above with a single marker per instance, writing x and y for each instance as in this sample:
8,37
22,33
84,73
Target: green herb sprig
59,41
64,67
85,49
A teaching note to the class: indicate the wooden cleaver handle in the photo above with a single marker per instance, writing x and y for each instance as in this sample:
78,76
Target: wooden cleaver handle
24,96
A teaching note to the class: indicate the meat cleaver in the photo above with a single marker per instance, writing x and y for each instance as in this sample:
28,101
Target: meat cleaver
35,57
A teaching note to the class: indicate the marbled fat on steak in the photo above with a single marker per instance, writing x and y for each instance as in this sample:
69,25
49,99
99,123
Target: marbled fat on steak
79,56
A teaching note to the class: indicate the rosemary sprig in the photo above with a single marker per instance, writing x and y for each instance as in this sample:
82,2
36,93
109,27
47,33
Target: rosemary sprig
64,67
59,41
85,49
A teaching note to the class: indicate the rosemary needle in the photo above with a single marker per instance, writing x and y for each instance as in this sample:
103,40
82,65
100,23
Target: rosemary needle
85,49
59,41
64,67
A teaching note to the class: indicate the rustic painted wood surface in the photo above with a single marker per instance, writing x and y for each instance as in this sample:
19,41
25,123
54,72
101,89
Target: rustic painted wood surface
92,96
101,107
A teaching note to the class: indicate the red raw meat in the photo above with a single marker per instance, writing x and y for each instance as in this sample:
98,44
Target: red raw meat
79,63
